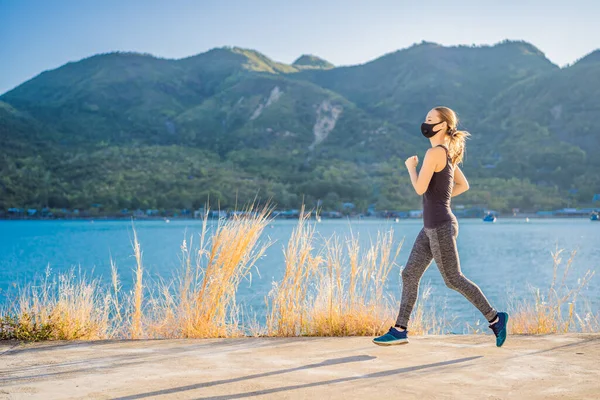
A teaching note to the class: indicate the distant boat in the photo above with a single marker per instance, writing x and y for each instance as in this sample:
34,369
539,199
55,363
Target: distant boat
489,218
594,216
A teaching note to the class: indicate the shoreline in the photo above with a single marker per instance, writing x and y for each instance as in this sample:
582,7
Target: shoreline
117,218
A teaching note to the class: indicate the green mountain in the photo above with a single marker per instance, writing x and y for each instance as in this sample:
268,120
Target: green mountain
313,62
403,85
131,130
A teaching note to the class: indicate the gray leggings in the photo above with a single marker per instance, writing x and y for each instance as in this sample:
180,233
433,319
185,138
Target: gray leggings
440,244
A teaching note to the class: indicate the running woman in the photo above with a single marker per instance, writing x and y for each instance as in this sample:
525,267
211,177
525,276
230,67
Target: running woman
439,179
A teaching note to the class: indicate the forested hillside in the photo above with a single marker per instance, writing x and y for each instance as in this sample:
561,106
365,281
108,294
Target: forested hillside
133,131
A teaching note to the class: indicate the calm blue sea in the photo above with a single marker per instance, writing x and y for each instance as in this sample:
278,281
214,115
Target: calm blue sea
505,258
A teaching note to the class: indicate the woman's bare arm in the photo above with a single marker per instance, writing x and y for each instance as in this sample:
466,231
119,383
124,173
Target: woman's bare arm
460,182
420,181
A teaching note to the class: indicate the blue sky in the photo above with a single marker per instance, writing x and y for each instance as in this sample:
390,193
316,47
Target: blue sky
37,35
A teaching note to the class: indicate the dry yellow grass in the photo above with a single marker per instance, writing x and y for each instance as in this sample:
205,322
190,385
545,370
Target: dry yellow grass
64,309
202,303
330,287
554,312
348,288
138,291
353,303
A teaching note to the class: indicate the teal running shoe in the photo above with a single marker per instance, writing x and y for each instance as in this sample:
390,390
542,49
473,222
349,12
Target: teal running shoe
392,337
499,328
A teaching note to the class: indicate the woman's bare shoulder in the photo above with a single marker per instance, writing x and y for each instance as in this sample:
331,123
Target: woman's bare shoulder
436,150
437,153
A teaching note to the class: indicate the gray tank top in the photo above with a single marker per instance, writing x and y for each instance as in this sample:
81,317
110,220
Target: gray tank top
436,200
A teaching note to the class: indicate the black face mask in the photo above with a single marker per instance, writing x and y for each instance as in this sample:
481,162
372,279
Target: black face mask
427,129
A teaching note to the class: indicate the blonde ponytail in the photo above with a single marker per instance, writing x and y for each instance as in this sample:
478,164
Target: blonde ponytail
457,146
